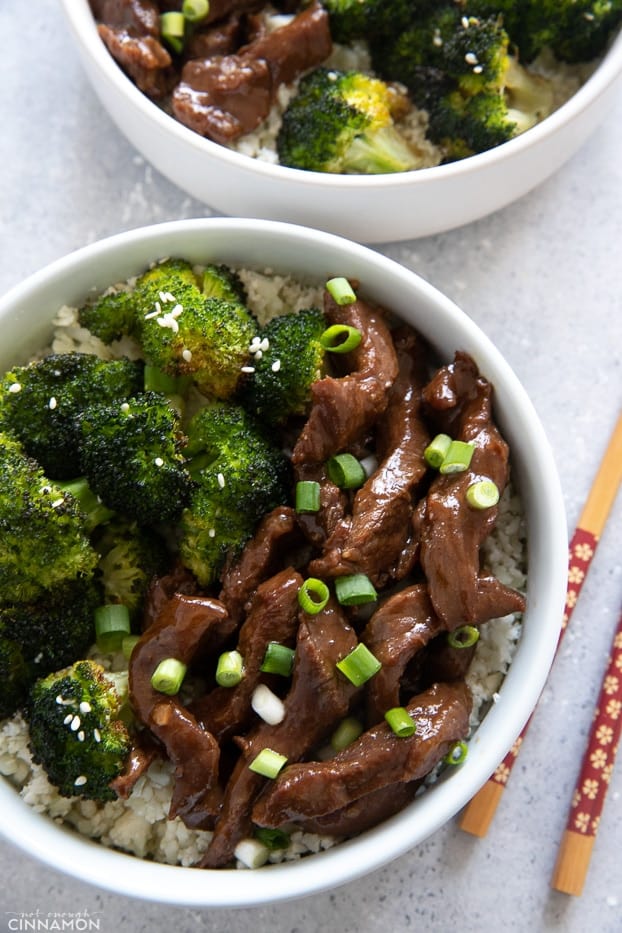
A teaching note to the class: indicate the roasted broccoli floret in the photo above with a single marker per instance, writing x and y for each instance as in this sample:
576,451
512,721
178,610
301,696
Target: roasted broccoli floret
131,556
184,332
39,403
76,732
110,316
240,475
360,19
343,122
42,530
15,676
219,281
575,30
130,455
39,637
294,359
461,71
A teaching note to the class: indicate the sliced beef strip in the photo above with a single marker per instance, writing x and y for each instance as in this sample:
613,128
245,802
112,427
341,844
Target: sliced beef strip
364,813
185,626
380,526
130,30
450,532
344,408
375,760
272,616
275,538
399,628
318,699
143,752
225,96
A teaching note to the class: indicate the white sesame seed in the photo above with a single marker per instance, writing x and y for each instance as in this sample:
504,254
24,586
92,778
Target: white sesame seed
125,407
470,58
211,533
276,366
177,310
265,344
159,461
85,707
60,700
187,355
247,369
46,490
158,307
81,736
254,344
477,70
465,22
15,387
152,314
221,480
97,735
52,403
67,719
38,658
75,723
57,503
258,354
163,297
588,16
437,39
80,781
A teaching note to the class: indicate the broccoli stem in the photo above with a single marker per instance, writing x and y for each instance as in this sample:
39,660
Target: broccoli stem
95,511
382,151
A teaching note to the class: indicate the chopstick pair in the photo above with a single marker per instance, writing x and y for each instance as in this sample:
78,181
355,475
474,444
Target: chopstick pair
479,813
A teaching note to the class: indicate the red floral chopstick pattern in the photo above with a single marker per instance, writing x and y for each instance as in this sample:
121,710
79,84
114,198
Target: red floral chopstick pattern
582,548
599,758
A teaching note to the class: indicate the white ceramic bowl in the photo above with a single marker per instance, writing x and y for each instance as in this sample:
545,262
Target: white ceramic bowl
25,323
375,209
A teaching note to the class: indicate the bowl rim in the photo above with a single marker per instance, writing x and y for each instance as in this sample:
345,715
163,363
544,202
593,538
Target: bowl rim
125,874
607,71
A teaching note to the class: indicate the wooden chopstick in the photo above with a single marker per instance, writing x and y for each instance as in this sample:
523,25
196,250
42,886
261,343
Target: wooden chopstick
479,812
591,788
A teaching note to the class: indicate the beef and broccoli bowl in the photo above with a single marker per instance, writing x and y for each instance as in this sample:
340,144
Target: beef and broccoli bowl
272,529
438,118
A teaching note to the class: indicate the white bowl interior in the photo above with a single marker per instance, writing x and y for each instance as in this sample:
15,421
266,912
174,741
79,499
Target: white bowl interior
385,207
25,319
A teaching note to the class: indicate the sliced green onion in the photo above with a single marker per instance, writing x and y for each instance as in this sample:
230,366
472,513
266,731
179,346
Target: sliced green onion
168,676
463,637
340,290
482,495
112,624
458,457
278,659
252,853
340,338
195,10
229,669
355,589
360,665
268,705
128,644
273,839
457,753
268,763
346,733
437,450
400,721
313,595
346,471
307,496
172,28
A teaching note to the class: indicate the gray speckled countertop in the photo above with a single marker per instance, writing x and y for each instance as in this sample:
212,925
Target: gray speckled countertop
543,278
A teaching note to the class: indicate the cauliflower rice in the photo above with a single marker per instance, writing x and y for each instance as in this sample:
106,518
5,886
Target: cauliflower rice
139,825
